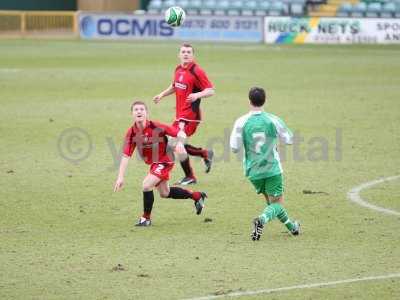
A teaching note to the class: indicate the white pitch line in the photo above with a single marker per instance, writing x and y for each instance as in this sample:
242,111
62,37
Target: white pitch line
354,195
296,287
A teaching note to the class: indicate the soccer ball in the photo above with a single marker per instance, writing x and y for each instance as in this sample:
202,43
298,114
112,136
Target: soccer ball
175,16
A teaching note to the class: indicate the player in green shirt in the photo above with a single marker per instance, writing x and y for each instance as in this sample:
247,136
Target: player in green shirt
258,132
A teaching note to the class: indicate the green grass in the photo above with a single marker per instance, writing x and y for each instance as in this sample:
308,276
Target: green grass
63,231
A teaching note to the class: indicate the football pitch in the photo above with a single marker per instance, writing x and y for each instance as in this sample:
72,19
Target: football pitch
64,109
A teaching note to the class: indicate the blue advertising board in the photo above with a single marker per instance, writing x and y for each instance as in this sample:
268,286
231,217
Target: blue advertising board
200,28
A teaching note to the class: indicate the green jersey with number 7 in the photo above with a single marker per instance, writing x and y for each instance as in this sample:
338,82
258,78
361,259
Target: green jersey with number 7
259,132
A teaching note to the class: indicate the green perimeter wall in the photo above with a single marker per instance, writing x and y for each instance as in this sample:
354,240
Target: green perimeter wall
38,4
144,4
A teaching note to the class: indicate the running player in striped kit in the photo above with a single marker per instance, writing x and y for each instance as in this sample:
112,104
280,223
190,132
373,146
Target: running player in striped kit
190,84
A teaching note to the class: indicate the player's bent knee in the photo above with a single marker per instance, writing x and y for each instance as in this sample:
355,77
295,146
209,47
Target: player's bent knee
275,199
164,194
147,187
182,156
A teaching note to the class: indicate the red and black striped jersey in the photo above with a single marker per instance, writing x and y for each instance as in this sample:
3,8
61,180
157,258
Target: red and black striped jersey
187,80
151,142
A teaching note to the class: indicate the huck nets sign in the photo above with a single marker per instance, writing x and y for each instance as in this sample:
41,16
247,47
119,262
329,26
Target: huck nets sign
286,30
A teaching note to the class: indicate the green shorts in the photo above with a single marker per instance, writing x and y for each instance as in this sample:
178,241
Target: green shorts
272,186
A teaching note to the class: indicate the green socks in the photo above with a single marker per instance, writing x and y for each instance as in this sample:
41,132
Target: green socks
276,210
283,217
270,212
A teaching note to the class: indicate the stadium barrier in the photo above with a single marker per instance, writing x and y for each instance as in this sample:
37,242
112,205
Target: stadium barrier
287,30
274,30
38,23
195,28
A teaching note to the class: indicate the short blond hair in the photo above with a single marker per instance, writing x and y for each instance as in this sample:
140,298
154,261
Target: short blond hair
138,102
187,45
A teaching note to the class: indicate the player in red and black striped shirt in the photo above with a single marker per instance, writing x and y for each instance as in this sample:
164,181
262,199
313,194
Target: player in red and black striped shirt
150,140
190,84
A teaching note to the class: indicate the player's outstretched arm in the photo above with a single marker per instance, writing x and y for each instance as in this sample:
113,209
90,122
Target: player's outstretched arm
208,92
121,174
168,91
236,139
